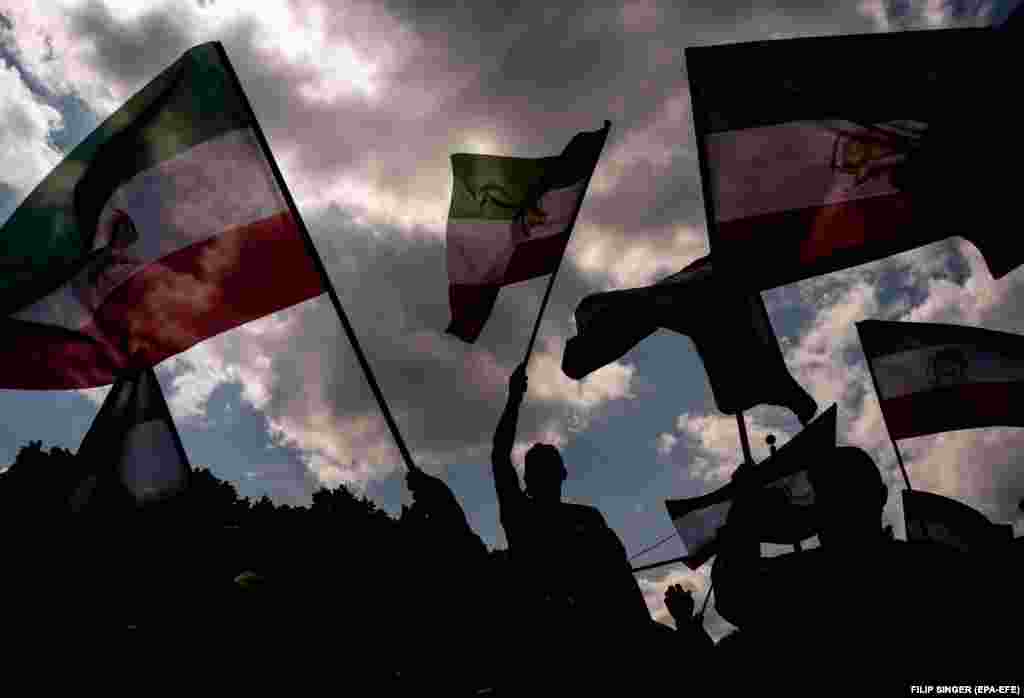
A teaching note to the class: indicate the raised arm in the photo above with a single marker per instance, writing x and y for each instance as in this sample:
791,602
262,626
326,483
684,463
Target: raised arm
506,481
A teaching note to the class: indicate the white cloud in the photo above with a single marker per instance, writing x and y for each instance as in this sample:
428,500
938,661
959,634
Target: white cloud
654,583
46,46
548,383
716,449
26,155
666,442
623,262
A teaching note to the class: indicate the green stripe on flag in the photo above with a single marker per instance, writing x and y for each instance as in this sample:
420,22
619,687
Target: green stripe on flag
493,188
46,239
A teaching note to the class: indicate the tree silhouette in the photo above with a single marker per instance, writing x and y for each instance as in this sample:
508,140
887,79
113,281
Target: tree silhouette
339,568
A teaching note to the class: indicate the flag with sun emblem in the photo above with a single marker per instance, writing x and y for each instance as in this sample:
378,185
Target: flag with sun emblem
164,227
934,377
509,221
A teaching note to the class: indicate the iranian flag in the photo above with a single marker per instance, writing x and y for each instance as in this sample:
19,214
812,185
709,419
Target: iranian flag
166,226
132,453
819,154
934,377
780,489
715,315
509,221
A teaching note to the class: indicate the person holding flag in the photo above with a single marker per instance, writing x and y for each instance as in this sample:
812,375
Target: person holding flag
826,606
573,567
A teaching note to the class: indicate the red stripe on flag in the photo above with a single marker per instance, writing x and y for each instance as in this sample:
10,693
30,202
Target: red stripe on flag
207,288
791,245
533,258
39,357
471,305
968,406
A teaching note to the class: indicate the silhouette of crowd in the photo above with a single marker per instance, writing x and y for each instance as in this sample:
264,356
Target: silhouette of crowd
418,603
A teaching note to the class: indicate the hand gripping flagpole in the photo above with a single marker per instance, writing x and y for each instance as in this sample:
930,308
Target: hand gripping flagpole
311,248
558,264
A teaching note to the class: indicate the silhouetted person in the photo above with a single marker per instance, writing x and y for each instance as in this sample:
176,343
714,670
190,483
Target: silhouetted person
452,591
870,609
573,567
689,628
437,513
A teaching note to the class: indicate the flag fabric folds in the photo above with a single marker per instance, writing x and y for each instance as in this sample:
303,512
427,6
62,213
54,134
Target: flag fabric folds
132,453
934,518
783,501
934,377
824,153
166,226
730,328
510,220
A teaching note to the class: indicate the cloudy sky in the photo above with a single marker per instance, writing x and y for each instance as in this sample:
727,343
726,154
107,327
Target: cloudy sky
362,103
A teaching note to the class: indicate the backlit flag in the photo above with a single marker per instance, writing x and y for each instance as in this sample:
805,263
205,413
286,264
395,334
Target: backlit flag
132,452
783,502
824,153
729,326
934,518
509,221
166,226
934,377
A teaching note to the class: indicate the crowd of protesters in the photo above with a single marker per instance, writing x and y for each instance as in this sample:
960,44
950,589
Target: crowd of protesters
419,603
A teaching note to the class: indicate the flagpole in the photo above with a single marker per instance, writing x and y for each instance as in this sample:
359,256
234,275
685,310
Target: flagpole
744,440
558,264
707,597
878,396
651,566
899,459
311,248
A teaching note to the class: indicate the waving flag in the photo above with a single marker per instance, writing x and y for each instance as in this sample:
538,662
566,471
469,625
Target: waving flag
166,226
729,327
934,377
132,452
824,153
784,501
934,518
510,220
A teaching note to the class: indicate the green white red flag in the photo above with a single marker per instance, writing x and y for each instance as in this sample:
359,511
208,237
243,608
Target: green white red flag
166,226
510,220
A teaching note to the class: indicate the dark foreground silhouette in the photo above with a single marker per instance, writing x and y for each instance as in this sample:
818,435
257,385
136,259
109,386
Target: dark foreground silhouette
417,603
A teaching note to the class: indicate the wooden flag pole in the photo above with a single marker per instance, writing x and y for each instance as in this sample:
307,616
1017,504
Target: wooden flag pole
558,264
311,248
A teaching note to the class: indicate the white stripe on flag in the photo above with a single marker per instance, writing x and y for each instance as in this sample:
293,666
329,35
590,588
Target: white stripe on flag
699,527
150,464
784,167
195,196
479,250
914,371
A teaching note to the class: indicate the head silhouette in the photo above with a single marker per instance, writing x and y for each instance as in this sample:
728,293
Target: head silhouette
544,474
849,497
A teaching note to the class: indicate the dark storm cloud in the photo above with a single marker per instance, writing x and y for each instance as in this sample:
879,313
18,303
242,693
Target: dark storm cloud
134,51
445,394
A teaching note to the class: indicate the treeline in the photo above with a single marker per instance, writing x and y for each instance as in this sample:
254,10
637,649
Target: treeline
211,562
